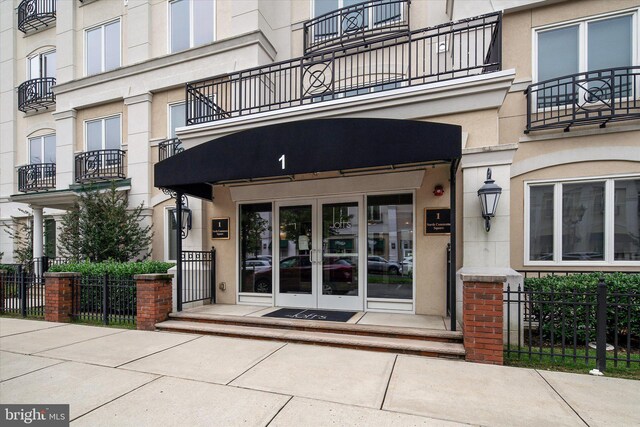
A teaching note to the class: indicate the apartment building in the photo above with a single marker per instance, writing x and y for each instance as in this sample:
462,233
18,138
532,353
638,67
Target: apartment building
331,150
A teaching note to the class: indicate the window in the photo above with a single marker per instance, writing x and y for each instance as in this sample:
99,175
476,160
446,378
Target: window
42,65
42,149
191,23
256,248
102,48
177,116
170,240
584,221
389,244
103,134
595,44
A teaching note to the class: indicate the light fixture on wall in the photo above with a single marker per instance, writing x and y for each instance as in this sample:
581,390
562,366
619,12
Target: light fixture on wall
489,195
186,216
438,190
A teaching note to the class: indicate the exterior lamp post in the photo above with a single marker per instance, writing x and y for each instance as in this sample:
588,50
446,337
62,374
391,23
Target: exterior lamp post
489,195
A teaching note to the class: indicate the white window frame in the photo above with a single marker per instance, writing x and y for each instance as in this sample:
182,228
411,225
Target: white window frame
103,133
191,46
371,24
583,37
609,219
102,44
38,55
41,137
173,104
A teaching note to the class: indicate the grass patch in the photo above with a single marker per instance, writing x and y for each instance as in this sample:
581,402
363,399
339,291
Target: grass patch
112,323
557,363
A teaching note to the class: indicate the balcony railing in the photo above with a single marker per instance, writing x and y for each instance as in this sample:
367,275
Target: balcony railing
361,22
36,14
169,148
37,177
592,97
453,50
100,165
36,94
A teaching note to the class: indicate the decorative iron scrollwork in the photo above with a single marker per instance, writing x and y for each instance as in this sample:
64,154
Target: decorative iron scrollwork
353,21
317,78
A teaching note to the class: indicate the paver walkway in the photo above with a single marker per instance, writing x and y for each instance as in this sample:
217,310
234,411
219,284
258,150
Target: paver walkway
114,377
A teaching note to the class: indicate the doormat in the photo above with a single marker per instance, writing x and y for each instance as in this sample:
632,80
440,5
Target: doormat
301,314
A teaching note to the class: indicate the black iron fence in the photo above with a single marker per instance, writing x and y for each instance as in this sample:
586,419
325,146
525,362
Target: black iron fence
104,299
198,276
449,51
169,147
35,14
100,165
36,94
37,177
362,21
22,287
592,97
586,325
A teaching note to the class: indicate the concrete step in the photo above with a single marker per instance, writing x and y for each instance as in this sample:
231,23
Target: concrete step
323,326
362,342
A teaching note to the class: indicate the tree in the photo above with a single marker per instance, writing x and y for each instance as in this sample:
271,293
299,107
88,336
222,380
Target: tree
100,227
21,233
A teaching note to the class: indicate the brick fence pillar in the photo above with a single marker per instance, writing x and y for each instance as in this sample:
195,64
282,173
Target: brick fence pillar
153,299
482,317
58,296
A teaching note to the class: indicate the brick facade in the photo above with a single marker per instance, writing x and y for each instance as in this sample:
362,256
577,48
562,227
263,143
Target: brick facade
153,299
483,318
58,296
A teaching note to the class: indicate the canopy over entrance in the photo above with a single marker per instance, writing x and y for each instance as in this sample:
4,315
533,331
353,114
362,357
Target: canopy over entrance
305,147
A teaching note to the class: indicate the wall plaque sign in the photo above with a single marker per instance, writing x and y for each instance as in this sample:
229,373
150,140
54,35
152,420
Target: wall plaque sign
220,228
437,221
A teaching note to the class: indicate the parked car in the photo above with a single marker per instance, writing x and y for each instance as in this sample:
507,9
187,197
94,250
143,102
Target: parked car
295,275
256,264
407,266
377,264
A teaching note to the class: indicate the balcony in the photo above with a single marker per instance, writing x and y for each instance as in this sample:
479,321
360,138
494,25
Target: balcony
100,165
169,147
36,94
450,51
361,22
37,177
36,14
594,97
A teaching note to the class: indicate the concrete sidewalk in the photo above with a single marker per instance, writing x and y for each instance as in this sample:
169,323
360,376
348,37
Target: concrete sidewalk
116,377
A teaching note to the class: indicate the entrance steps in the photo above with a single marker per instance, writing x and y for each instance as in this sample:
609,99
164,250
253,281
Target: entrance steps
417,341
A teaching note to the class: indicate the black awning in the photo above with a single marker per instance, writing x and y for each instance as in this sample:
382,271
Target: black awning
305,147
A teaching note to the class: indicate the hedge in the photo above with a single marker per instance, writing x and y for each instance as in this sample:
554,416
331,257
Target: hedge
581,288
114,269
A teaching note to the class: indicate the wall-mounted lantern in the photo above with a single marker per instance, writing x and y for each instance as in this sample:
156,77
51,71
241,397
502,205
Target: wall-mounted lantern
489,195
186,216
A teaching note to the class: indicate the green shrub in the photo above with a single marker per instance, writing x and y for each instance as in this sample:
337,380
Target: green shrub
8,268
114,269
562,303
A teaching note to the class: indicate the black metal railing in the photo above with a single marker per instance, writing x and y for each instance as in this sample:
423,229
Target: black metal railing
37,177
198,276
36,94
449,51
36,14
100,165
104,299
593,97
360,22
586,325
169,147
22,287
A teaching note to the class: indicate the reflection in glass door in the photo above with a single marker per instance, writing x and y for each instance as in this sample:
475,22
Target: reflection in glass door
295,272
340,259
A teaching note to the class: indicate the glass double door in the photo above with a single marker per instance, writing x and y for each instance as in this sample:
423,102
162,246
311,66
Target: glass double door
318,258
